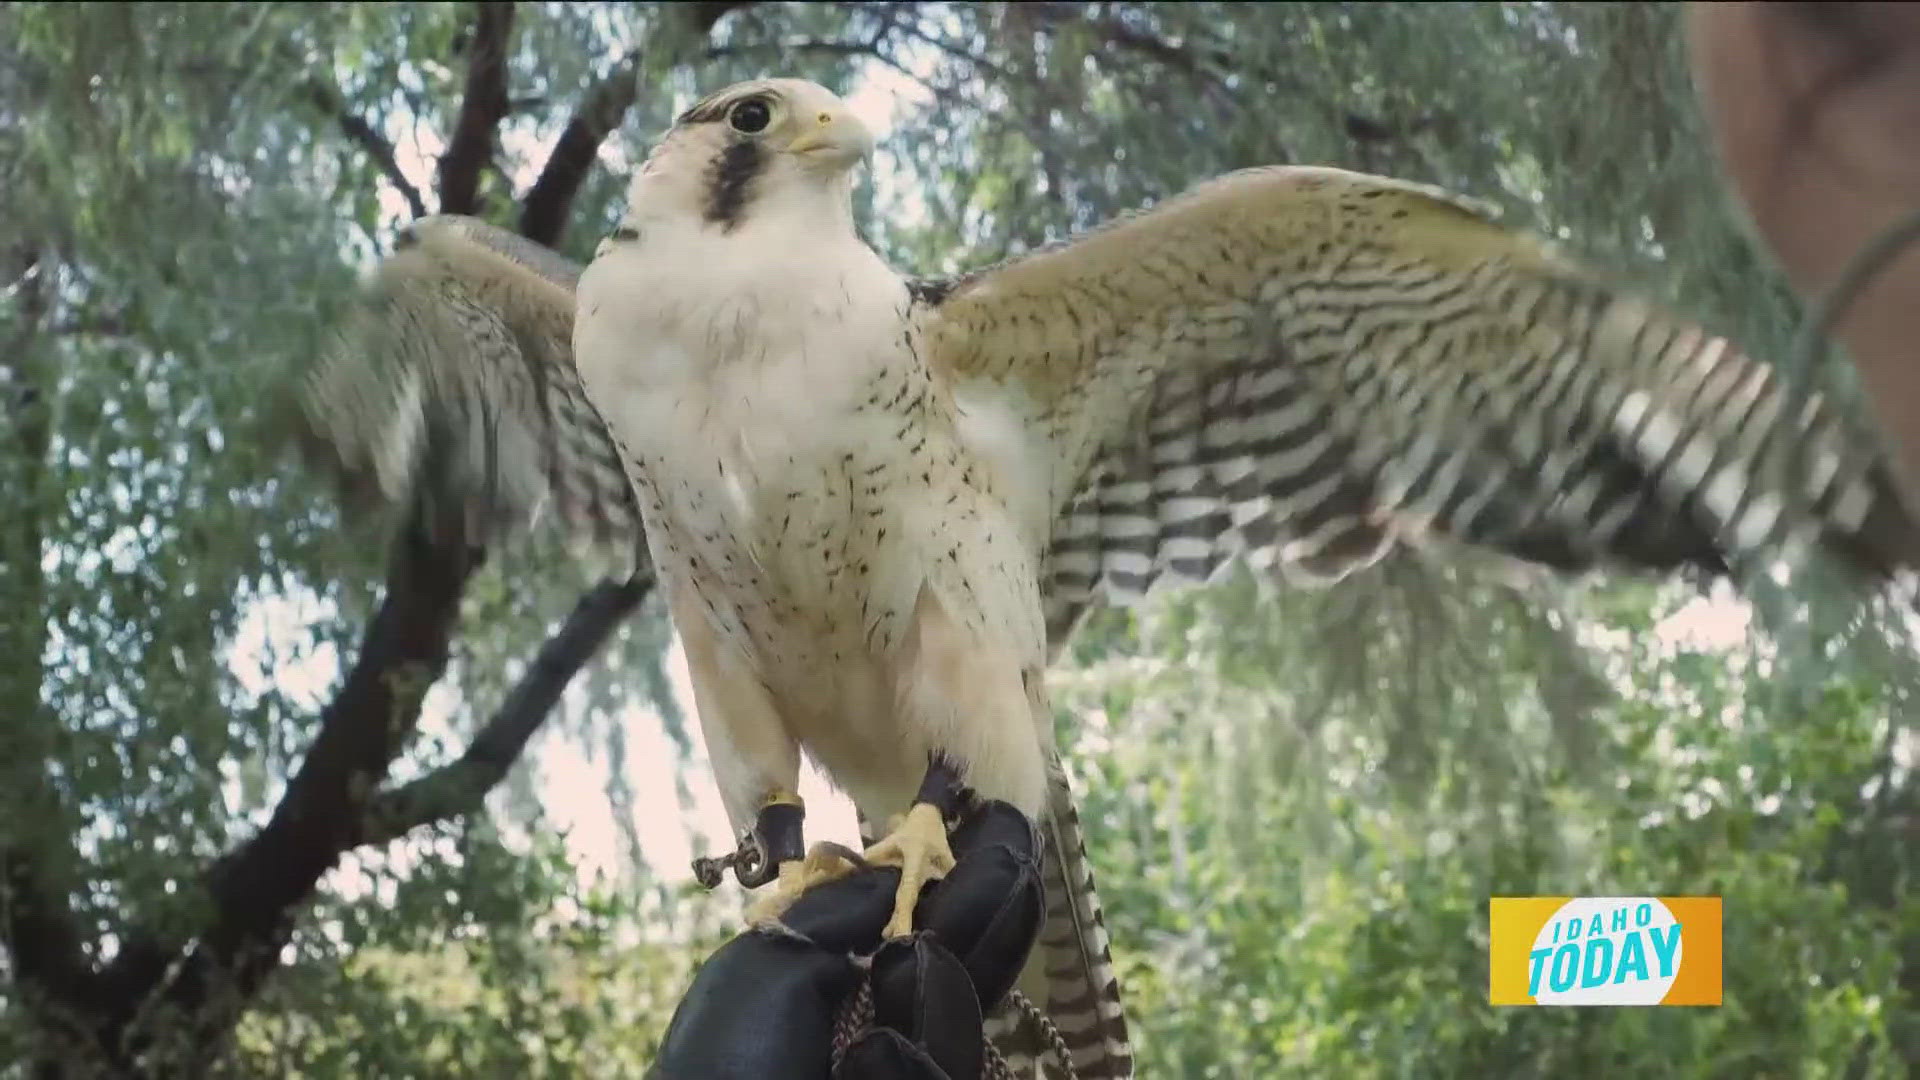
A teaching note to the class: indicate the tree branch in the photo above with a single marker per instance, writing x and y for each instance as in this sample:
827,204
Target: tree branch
543,214
971,59
485,102
40,932
458,788
38,927
1209,66
110,324
254,891
708,12
822,48
326,97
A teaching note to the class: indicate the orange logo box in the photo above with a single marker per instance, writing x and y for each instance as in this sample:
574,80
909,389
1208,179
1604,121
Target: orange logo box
1604,950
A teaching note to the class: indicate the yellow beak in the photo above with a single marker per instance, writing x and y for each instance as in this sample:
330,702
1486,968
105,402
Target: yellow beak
834,137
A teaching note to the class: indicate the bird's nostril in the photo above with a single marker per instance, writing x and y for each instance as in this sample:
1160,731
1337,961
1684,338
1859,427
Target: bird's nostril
825,118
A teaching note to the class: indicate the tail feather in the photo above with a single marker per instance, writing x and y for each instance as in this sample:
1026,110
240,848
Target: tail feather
1071,973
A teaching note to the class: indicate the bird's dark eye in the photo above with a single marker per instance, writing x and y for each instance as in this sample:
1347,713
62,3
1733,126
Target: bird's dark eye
750,116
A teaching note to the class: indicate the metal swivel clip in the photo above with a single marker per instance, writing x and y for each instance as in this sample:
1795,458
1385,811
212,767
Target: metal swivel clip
751,867
775,838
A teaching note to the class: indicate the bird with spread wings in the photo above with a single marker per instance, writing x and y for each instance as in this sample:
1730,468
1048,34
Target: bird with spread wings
876,505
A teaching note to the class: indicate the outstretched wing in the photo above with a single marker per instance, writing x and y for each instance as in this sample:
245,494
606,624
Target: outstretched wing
454,392
1302,366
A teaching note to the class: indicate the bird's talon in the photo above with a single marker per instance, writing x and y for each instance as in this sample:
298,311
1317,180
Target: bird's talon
854,859
826,861
918,846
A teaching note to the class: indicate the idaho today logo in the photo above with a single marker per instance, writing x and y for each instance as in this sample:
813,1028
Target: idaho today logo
1604,950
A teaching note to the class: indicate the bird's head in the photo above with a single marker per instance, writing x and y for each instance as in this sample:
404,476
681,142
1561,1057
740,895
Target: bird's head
769,145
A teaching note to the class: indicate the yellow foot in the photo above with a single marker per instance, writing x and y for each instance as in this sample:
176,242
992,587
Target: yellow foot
918,846
824,863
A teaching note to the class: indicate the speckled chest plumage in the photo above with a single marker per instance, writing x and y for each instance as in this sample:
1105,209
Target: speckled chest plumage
804,479
799,527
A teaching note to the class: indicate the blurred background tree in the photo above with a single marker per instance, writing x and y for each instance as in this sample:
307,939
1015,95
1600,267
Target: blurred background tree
240,836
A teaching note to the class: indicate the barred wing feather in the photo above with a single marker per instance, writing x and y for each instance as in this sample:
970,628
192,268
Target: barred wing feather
1302,366
454,391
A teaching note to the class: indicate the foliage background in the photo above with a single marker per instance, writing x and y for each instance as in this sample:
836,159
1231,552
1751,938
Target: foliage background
1298,801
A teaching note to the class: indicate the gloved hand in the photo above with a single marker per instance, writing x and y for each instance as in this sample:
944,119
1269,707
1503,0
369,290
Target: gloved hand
766,1003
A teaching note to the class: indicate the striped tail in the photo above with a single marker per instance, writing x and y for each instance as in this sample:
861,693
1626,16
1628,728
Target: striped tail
1071,974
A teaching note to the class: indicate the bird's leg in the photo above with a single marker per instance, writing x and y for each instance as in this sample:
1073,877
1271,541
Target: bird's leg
774,849
775,840
917,842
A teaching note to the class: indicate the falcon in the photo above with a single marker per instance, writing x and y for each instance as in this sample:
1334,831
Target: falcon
877,505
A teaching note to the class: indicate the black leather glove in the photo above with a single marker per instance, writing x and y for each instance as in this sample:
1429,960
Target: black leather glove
764,1005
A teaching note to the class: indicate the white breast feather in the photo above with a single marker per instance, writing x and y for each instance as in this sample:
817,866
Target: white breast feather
731,367
996,425
804,484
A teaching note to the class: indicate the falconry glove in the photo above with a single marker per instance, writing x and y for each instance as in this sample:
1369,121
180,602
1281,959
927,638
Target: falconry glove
822,995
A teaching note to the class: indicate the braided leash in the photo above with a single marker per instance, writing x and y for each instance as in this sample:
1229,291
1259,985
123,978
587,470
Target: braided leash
856,1016
852,1020
1055,1041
